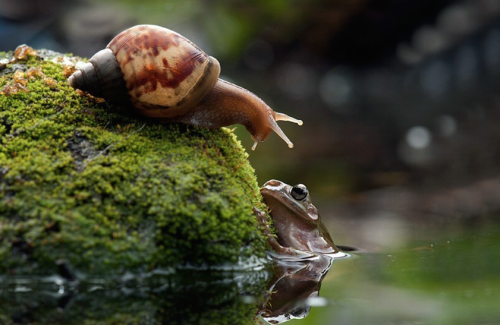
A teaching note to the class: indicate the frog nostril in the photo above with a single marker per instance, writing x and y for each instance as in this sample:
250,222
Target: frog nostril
273,183
299,192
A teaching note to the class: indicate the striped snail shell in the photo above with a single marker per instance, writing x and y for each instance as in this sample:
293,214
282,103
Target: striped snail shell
163,75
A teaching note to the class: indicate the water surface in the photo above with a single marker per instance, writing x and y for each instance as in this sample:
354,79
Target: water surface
442,275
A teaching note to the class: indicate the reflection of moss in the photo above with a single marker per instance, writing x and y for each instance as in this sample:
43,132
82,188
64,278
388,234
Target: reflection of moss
107,192
190,297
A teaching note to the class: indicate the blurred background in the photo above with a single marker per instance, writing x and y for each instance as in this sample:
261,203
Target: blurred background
399,97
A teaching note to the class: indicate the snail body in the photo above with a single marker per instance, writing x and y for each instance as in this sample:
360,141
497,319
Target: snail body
163,75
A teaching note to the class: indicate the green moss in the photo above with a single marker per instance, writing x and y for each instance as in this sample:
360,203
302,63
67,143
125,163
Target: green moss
108,192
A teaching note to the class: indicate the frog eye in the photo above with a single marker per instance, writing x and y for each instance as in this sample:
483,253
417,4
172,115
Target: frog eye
299,192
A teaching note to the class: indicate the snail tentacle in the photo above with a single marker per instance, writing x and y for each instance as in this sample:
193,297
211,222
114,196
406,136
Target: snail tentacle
283,117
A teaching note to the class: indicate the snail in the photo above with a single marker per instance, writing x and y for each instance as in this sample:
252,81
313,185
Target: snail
163,75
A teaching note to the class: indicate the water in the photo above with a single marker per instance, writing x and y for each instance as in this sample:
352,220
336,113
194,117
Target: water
449,275
446,276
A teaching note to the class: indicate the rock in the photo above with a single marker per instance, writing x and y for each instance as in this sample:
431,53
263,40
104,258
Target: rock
108,193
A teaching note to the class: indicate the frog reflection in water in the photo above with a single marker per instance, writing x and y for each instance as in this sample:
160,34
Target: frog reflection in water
296,220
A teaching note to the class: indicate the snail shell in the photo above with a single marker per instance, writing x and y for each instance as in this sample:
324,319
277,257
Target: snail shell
163,75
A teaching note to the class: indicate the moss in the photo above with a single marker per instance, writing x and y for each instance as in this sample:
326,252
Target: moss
108,192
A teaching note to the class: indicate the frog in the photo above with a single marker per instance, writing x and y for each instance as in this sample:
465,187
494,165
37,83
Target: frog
298,225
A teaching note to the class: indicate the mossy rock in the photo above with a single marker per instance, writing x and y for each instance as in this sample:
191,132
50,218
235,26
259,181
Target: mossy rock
108,192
